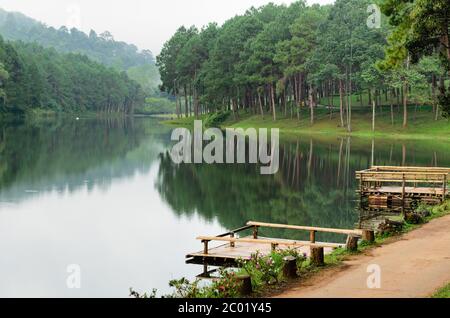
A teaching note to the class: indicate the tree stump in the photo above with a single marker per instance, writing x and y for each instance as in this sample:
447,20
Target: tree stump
390,227
317,257
290,267
246,285
352,243
368,236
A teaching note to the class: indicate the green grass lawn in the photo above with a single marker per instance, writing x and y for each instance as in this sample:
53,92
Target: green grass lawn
421,124
443,292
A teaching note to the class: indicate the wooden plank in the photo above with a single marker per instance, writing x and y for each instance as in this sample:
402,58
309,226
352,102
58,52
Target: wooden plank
410,190
268,241
306,228
376,169
399,176
397,168
401,180
431,172
244,251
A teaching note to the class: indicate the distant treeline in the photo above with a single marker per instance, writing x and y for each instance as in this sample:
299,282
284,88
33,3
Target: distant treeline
156,105
33,77
102,48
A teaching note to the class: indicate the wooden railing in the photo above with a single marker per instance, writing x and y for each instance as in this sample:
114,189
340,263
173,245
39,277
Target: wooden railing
407,176
352,236
378,176
410,169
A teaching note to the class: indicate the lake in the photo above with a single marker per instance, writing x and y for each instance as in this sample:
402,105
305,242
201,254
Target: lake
104,195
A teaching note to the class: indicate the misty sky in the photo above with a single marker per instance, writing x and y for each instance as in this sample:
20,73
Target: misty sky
146,23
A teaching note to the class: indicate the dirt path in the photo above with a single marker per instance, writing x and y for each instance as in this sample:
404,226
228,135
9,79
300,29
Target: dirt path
415,266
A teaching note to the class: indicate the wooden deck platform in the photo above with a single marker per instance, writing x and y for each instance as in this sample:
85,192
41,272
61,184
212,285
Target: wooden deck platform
394,186
236,248
227,255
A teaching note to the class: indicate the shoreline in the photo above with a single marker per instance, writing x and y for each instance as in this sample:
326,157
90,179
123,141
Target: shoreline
343,264
421,129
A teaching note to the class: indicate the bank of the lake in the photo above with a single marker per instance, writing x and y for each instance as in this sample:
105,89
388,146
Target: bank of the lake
42,114
343,269
421,124
269,280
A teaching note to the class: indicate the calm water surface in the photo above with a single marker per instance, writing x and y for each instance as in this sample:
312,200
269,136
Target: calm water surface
104,195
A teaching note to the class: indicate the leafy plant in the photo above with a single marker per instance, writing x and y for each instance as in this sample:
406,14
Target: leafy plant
267,269
217,118
186,289
135,294
227,286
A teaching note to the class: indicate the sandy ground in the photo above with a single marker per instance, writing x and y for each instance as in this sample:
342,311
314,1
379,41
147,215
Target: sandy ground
415,266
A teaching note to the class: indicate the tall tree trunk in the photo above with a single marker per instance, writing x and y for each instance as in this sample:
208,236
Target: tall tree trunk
341,101
405,104
433,94
373,113
392,107
311,102
272,93
330,98
405,97
349,110
186,103
261,109
177,103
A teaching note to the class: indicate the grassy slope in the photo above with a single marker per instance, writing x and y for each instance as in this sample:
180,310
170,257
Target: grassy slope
421,125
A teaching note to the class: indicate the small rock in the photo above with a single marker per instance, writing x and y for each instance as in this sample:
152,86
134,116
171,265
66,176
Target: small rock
424,213
414,218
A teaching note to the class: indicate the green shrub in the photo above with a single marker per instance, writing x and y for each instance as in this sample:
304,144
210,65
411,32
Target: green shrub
217,118
268,269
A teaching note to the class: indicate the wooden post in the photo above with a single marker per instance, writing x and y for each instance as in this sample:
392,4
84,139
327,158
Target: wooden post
205,247
312,236
290,267
361,187
255,232
317,257
232,244
246,285
403,194
444,188
368,236
352,243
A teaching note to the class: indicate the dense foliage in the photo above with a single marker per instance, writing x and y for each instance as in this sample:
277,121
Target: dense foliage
156,105
279,59
421,29
102,48
32,77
